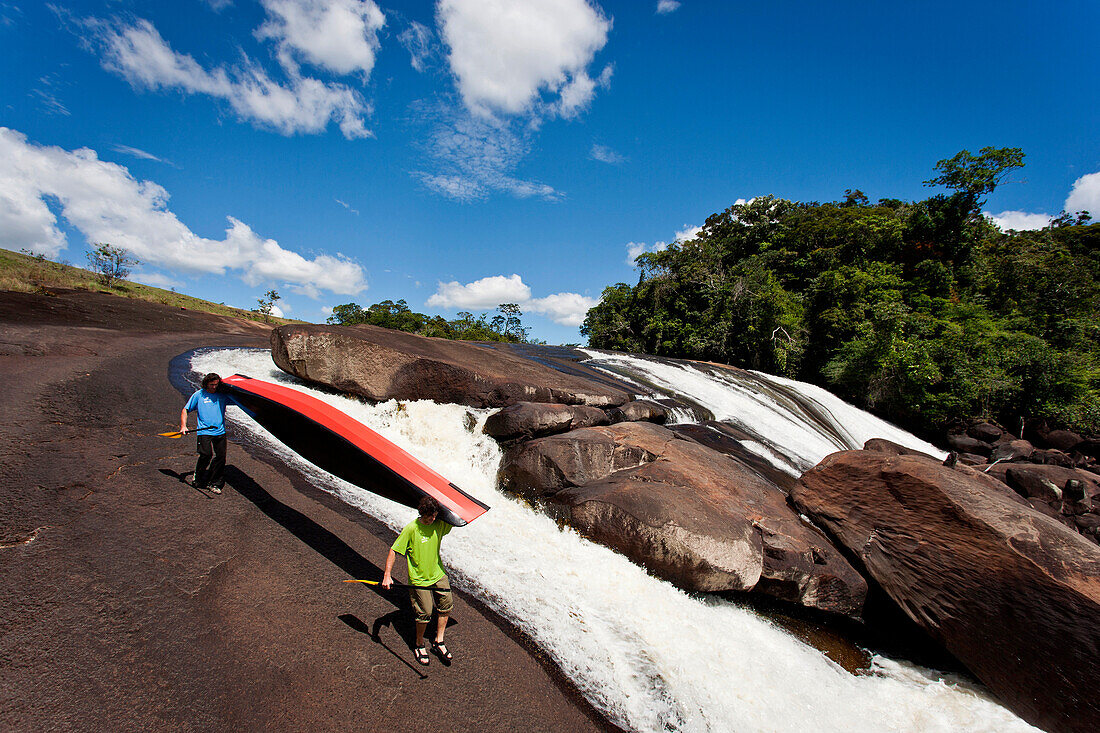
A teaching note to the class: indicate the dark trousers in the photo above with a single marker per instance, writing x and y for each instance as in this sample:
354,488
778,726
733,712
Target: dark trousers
210,469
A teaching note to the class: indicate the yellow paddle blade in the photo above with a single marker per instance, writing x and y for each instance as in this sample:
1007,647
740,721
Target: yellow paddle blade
368,582
176,434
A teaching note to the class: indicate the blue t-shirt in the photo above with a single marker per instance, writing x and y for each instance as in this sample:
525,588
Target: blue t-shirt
211,409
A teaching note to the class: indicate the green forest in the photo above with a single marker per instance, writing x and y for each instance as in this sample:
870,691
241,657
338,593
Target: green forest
923,312
506,325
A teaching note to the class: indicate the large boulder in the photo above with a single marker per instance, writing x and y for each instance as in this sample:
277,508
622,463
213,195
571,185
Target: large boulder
1063,440
1012,450
1011,593
381,364
530,419
689,514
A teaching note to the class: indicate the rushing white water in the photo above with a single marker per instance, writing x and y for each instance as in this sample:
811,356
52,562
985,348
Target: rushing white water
649,656
789,432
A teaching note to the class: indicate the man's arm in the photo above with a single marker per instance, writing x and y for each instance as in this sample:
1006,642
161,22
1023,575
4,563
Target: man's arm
387,578
183,420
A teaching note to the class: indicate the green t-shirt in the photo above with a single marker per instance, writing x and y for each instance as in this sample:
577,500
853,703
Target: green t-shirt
419,543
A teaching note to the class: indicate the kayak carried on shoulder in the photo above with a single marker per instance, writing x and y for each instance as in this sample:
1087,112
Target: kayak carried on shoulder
343,446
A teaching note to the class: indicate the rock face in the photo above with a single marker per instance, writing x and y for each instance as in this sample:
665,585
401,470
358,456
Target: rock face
525,420
1012,594
687,513
381,364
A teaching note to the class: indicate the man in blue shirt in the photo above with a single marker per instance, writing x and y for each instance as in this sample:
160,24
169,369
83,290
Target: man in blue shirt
210,405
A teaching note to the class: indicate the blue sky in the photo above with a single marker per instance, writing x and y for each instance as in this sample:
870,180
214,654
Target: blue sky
463,153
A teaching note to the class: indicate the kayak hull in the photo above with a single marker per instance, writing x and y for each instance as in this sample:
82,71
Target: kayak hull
339,444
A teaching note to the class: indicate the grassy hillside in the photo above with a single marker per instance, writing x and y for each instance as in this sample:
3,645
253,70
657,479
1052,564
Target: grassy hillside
29,273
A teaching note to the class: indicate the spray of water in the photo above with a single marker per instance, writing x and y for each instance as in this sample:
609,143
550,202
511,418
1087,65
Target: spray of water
649,656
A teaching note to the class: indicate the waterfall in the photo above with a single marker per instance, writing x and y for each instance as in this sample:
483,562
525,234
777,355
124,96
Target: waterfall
649,656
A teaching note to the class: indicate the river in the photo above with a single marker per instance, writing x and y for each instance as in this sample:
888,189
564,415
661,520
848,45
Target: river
647,655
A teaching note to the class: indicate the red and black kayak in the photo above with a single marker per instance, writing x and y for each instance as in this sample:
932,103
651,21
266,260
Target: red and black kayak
329,439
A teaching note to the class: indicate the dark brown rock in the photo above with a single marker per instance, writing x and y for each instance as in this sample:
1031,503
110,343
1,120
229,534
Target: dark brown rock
969,459
1063,440
1057,475
1033,485
644,410
543,467
688,513
381,364
1012,594
966,444
1088,524
986,432
1013,450
882,445
1051,457
529,419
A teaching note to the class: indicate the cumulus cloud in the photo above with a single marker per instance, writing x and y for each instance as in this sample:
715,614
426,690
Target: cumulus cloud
688,233
567,309
337,35
605,154
667,6
106,204
1085,195
139,54
477,156
417,40
505,56
1019,220
488,292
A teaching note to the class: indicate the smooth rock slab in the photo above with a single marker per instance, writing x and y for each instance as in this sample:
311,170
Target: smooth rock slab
1011,593
689,514
382,364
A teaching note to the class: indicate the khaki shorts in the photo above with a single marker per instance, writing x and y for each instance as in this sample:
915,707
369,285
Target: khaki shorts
437,596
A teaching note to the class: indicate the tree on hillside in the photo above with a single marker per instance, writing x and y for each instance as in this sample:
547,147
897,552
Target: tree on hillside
266,304
110,263
978,174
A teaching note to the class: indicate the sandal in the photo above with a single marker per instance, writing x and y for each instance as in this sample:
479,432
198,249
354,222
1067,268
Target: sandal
441,649
422,657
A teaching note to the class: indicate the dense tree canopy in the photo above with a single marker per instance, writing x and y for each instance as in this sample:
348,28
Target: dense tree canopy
923,311
507,325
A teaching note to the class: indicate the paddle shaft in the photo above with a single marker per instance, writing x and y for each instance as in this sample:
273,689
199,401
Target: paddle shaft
399,585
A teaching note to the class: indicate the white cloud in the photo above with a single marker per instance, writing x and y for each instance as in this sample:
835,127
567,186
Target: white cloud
567,309
506,55
106,204
417,40
142,57
218,5
1019,220
635,249
476,157
137,153
347,206
605,154
488,292
667,6
278,312
326,310
688,233
1085,195
338,35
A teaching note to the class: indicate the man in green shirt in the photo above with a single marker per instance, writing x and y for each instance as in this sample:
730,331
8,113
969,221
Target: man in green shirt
419,543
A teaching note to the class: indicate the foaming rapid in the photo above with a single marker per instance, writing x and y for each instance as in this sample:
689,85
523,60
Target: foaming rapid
647,655
795,424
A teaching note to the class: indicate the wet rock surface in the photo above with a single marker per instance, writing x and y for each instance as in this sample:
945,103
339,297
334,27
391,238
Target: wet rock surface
1011,593
686,512
135,602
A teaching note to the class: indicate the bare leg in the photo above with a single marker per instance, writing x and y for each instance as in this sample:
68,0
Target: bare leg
420,628
442,627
